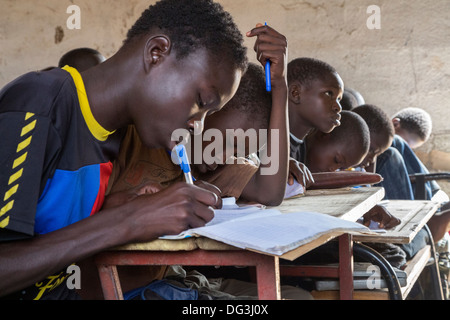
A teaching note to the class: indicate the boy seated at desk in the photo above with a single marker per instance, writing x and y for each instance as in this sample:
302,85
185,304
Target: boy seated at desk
390,164
251,108
54,218
394,172
236,173
413,128
341,149
315,89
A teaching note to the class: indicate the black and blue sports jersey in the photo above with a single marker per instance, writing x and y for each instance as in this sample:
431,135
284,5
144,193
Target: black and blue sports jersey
55,158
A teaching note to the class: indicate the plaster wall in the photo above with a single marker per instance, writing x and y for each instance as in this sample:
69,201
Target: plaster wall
404,63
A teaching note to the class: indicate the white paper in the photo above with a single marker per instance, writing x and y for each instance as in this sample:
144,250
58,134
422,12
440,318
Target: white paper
293,190
277,233
230,211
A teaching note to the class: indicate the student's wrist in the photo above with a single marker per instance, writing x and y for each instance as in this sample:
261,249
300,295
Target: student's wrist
279,83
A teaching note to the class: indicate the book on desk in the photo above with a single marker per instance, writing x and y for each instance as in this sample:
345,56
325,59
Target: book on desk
269,231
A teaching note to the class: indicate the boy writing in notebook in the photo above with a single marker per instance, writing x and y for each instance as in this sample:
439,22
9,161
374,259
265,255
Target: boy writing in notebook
60,121
251,109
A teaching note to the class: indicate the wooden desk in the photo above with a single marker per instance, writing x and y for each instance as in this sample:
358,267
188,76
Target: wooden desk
414,214
345,203
202,251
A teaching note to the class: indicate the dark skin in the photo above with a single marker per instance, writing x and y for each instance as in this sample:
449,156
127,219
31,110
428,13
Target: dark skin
325,155
316,105
313,106
269,45
438,224
379,143
126,89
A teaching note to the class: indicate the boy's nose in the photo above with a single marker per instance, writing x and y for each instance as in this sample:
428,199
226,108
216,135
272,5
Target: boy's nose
337,107
196,124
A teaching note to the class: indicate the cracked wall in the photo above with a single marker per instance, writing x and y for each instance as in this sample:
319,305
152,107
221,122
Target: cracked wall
405,63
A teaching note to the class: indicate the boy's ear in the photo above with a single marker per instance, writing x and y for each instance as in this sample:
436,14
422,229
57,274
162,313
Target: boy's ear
156,49
396,123
294,92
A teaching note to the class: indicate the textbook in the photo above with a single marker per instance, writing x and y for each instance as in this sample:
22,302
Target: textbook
268,230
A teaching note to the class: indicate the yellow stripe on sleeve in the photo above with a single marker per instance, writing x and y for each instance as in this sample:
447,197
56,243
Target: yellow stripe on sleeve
15,176
6,208
25,143
28,128
10,192
19,160
4,223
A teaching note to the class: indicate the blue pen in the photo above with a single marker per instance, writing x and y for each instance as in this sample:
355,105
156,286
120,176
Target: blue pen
184,163
267,69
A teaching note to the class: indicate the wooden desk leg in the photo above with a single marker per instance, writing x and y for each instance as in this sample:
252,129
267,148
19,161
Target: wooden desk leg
268,274
109,279
346,267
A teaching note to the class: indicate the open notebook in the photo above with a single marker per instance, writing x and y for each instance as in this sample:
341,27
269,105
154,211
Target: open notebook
268,230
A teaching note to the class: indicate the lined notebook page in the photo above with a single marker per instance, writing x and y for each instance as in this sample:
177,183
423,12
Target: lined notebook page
277,233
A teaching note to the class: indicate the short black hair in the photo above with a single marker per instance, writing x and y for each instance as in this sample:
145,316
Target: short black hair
353,130
351,99
252,99
80,58
305,70
193,24
415,120
348,101
377,120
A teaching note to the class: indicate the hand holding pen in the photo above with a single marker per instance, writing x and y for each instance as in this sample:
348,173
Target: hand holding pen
271,51
183,161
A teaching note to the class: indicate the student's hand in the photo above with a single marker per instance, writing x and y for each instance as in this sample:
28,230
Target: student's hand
231,178
212,188
121,197
272,45
379,214
299,172
170,211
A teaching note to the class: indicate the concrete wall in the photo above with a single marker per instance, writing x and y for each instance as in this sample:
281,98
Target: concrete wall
404,63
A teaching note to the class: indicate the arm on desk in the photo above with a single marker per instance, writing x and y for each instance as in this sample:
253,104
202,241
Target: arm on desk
299,172
177,208
379,214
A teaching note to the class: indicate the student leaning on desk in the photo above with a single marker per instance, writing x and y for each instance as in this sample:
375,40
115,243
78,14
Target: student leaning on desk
45,140
253,108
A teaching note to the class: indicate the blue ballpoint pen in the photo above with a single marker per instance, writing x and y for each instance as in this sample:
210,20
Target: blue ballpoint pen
184,163
267,69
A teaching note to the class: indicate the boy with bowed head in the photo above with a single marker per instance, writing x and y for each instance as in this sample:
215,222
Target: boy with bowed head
165,76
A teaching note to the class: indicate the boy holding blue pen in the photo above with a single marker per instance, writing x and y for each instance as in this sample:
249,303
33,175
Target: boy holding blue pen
62,129
251,108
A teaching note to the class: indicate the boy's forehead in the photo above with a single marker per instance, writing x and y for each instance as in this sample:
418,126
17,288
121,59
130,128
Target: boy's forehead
331,79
